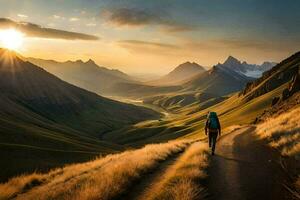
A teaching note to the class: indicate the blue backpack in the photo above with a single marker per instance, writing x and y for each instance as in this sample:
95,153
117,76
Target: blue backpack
213,120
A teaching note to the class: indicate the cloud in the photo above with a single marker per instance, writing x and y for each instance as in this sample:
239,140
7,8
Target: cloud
137,17
22,16
34,30
74,19
229,44
56,16
147,44
238,43
51,24
138,46
191,48
91,24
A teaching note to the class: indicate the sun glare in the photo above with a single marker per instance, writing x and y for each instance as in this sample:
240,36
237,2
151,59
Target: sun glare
11,39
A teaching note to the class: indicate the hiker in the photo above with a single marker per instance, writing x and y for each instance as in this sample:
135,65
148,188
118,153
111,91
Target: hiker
213,128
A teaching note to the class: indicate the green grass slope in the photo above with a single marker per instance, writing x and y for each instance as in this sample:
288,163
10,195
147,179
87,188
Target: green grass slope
140,91
190,121
46,122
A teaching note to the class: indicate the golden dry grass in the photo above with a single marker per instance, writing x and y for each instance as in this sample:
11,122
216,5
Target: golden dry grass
283,133
182,180
103,178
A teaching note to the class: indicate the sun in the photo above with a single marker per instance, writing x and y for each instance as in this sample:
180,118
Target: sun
11,39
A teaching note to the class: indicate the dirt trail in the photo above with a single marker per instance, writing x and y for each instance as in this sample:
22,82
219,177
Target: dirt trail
245,168
138,191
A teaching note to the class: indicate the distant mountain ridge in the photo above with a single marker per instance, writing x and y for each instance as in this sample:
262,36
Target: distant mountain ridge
218,80
178,75
87,75
251,70
205,89
185,70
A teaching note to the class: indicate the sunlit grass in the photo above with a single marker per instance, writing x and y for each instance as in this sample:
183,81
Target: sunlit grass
181,181
103,178
283,133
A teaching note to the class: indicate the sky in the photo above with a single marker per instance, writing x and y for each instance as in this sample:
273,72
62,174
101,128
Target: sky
155,36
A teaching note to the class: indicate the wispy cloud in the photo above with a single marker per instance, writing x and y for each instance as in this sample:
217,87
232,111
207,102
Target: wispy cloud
131,17
229,44
56,16
34,30
74,19
146,47
193,48
91,24
51,25
147,44
22,16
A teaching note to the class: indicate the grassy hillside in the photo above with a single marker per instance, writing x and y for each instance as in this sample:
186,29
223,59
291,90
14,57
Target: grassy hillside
30,142
105,178
141,91
47,122
175,103
46,95
189,120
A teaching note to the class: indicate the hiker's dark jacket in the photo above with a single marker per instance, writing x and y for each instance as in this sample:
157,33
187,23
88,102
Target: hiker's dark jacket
207,126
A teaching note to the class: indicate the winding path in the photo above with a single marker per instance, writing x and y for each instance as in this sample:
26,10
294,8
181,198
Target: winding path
245,169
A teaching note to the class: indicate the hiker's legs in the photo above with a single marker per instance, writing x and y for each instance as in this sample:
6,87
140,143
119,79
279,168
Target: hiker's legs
214,141
209,139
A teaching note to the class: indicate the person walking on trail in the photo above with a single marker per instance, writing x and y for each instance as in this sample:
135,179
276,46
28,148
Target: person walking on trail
213,128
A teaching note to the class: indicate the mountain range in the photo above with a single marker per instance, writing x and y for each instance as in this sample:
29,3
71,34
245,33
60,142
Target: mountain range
186,76
189,77
251,70
218,80
87,75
